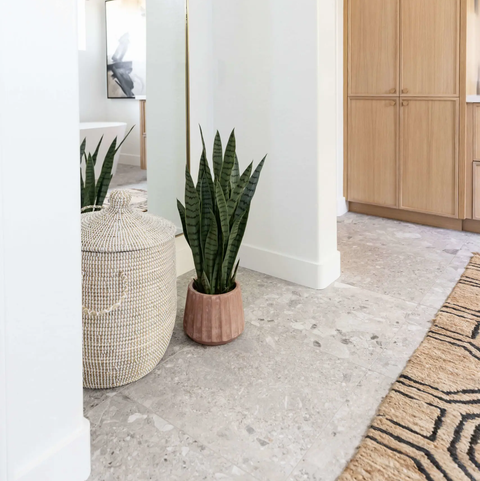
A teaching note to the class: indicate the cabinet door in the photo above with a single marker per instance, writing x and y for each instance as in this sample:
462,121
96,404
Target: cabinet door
372,151
476,190
373,47
430,43
428,156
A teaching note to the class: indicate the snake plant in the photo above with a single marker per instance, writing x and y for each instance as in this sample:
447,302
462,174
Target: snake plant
93,191
215,215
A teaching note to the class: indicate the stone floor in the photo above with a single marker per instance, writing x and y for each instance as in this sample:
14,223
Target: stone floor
129,177
292,397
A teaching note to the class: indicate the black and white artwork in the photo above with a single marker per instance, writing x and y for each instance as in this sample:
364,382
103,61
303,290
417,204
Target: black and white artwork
126,48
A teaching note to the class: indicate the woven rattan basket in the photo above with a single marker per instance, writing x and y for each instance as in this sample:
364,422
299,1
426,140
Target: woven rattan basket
129,292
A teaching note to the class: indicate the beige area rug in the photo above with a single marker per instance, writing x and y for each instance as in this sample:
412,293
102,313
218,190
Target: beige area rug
428,426
139,198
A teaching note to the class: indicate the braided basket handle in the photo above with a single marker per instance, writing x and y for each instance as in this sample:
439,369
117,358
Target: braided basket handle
95,207
91,312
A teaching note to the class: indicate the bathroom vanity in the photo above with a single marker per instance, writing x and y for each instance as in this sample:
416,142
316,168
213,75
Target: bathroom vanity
412,115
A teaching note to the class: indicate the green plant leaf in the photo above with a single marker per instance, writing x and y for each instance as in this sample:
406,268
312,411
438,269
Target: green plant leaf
235,177
119,146
217,156
192,220
238,191
234,276
206,206
234,243
216,282
249,192
181,211
211,248
106,173
95,154
90,181
227,165
82,149
206,284
222,213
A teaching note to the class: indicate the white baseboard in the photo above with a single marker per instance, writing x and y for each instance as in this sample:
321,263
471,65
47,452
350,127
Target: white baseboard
298,271
70,460
129,159
184,256
342,206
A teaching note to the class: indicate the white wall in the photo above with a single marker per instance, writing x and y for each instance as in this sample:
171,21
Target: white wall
43,434
276,81
94,105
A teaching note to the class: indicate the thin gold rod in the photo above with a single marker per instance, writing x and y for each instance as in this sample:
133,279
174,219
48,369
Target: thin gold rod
187,81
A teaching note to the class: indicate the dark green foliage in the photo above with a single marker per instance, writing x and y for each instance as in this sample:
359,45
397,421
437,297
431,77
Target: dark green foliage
215,215
93,192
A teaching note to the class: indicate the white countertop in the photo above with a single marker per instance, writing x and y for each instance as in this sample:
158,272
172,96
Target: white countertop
472,99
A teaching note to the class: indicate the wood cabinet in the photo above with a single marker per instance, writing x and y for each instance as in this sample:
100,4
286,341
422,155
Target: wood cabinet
372,151
430,40
476,190
428,156
373,47
403,129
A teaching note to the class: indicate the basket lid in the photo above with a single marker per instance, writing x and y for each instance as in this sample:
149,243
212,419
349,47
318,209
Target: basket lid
121,228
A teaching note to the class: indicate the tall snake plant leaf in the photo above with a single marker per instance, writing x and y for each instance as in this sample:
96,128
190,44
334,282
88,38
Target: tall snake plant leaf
106,173
206,284
82,189
233,279
249,192
227,165
211,248
181,211
216,281
234,242
192,220
90,181
95,154
222,213
206,206
217,156
237,192
235,177
83,146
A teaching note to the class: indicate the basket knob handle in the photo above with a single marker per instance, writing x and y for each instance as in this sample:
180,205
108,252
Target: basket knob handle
120,199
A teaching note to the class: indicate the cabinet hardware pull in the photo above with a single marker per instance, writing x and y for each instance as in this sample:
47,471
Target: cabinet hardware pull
404,103
392,91
404,91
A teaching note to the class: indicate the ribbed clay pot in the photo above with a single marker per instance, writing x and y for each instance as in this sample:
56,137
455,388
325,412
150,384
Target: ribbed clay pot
214,320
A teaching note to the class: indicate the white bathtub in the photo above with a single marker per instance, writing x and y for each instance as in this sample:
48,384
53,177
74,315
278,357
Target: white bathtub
93,131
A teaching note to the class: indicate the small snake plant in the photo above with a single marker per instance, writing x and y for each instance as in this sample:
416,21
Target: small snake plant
93,192
215,215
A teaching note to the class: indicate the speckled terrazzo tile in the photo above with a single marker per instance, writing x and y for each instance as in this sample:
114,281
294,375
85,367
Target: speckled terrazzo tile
93,397
392,271
442,287
344,321
130,443
336,444
378,231
396,354
259,402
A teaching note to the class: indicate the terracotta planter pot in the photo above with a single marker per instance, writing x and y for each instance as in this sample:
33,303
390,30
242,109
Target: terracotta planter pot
214,320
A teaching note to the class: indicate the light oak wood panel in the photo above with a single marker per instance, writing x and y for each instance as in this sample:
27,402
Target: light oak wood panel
476,190
476,131
430,41
428,156
407,216
468,161
373,47
372,151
